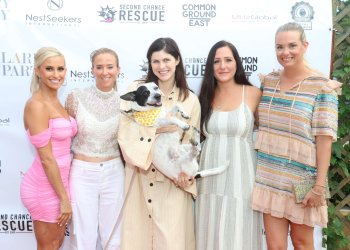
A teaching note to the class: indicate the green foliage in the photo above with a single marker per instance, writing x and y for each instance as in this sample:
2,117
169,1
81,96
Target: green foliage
335,237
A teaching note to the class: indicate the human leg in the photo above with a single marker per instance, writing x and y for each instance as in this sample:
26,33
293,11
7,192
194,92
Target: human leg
49,236
302,236
276,232
84,181
111,201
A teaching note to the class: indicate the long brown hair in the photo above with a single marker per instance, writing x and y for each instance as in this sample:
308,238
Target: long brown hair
169,46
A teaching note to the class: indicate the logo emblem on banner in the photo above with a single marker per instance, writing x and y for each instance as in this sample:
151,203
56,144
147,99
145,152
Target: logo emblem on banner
144,68
303,13
107,14
55,4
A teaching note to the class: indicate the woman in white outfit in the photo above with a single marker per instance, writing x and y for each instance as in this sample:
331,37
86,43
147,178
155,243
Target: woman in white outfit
97,173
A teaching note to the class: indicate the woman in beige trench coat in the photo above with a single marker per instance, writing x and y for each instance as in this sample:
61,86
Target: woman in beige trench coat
158,213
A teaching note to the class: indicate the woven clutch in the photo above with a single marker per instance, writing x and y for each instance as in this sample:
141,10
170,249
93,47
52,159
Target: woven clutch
301,188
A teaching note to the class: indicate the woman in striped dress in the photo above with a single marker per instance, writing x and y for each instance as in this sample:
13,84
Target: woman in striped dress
297,124
224,219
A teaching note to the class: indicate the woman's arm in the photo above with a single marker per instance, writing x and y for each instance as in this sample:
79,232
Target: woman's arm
71,105
323,156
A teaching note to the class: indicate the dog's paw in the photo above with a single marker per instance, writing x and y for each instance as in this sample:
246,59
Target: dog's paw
186,127
193,142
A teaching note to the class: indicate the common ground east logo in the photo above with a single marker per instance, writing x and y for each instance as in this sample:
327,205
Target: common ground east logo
107,14
14,64
194,67
55,4
199,14
250,64
303,13
4,9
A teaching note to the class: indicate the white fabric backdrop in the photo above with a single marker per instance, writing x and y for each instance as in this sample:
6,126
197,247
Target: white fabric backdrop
78,27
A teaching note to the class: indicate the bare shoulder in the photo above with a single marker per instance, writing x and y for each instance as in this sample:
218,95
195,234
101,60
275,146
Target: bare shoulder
36,115
253,92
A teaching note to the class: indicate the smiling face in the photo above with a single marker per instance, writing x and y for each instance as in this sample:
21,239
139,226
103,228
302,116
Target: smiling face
163,66
224,65
290,49
105,70
52,72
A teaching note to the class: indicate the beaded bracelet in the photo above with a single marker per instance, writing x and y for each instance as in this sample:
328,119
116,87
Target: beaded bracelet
315,193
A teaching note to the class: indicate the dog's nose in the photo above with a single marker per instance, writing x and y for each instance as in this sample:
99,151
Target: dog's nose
157,97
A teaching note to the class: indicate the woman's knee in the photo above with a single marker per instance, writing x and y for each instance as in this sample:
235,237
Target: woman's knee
276,244
302,237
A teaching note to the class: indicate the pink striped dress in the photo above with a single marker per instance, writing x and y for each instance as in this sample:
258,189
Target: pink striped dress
289,121
37,193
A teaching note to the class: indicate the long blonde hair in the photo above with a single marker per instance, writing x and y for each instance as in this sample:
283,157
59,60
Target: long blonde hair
40,56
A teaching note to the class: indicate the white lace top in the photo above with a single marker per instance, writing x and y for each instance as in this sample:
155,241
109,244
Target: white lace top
97,114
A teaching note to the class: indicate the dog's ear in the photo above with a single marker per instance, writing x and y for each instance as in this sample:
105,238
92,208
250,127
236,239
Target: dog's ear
129,96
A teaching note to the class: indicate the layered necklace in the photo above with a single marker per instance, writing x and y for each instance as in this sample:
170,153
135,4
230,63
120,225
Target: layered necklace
290,116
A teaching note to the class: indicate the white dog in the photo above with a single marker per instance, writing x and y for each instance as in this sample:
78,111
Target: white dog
169,156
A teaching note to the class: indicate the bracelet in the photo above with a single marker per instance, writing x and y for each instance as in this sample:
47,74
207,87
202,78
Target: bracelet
319,185
315,193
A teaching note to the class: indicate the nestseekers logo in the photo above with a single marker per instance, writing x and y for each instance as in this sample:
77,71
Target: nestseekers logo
55,4
4,9
303,13
250,64
47,19
133,13
199,14
195,67
87,76
14,64
81,76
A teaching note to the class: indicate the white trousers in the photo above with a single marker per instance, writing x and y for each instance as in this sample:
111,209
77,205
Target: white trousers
97,197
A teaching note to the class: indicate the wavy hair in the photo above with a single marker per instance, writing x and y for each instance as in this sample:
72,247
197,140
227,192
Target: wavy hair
169,46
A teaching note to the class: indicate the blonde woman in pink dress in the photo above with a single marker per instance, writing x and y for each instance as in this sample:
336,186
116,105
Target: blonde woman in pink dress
44,188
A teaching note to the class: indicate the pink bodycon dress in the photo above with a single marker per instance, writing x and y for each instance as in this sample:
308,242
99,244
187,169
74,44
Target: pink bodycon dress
37,194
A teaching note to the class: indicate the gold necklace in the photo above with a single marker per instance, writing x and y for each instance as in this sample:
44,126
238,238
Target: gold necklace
290,117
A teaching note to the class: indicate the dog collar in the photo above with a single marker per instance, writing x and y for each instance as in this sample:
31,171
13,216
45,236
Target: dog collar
146,118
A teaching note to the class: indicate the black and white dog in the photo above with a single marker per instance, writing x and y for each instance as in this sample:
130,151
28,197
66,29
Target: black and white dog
169,156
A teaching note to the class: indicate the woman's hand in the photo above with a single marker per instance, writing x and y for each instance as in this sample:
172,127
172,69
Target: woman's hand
66,213
315,197
183,180
166,129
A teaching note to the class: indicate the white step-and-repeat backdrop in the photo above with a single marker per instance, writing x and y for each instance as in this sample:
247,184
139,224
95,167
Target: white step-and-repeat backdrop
129,26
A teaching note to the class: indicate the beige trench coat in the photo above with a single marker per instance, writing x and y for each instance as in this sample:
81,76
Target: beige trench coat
157,215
